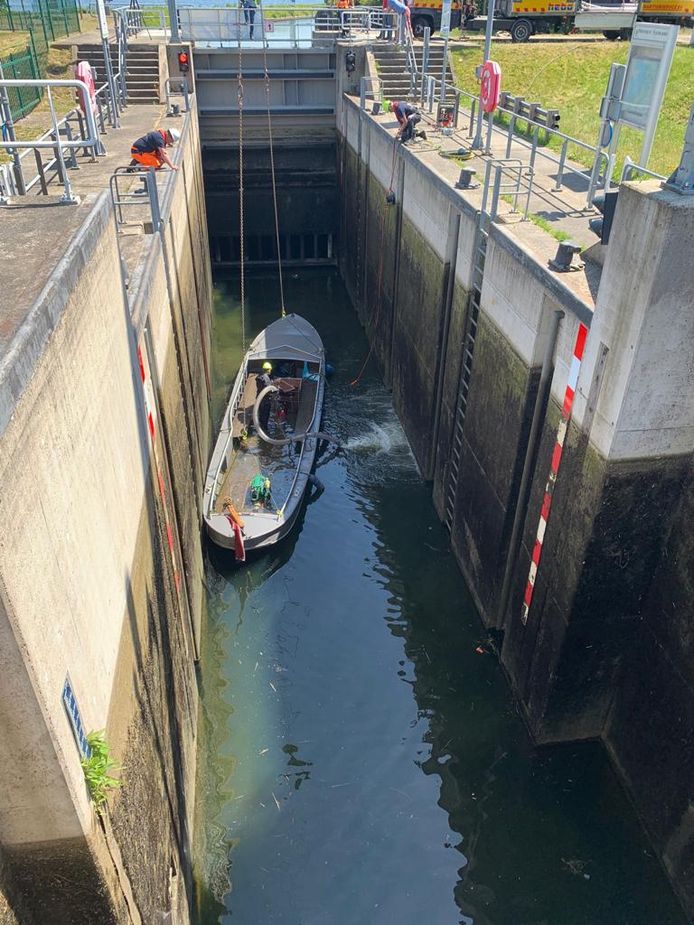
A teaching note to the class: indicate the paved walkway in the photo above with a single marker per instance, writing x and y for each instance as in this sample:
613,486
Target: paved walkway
35,230
564,210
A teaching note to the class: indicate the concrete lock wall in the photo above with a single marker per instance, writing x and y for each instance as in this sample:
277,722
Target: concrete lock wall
100,569
606,650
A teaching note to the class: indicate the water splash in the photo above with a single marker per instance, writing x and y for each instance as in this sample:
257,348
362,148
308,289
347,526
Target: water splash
379,438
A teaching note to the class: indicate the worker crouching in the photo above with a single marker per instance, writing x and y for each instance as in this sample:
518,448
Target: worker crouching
408,117
150,150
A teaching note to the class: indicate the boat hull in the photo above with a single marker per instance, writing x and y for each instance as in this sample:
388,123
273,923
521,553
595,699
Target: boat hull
282,343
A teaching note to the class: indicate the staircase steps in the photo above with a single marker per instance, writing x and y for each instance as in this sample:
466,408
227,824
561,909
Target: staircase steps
392,70
142,77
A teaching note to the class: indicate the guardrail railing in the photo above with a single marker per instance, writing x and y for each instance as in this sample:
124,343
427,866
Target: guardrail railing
629,169
52,140
303,24
595,178
519,106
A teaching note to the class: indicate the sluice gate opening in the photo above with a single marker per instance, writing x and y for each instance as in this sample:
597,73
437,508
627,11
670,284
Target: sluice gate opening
299,98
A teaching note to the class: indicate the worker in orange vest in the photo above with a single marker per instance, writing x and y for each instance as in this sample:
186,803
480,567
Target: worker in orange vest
150,150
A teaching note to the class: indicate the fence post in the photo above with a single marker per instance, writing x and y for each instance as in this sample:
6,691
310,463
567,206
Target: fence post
562,162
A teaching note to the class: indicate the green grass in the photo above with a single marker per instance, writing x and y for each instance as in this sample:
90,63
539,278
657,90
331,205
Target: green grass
541,222
13,42
571,77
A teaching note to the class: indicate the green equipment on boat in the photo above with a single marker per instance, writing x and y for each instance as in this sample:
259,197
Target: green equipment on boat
260,489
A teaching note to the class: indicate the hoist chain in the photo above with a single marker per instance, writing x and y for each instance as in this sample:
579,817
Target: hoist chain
272,164
241,217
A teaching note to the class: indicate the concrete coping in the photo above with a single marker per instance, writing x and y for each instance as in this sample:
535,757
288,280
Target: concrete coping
572,290
42,318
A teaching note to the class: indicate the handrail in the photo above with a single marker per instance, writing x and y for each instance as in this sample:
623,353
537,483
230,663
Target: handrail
533,145
55,143
92,138
220,24
630,167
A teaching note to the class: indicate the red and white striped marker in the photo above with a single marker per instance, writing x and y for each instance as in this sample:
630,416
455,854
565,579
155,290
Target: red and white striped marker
150,411
554,468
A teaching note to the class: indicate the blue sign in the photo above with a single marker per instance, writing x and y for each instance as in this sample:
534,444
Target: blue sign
73,713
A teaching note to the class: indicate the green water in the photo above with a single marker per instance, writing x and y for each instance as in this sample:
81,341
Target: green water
360,762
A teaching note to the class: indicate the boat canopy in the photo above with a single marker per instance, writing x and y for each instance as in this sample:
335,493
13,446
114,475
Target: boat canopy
289,338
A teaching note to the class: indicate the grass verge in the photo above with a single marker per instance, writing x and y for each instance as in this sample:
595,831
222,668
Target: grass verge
571,77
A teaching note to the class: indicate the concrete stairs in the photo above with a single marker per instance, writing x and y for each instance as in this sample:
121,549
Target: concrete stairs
142,76
391,64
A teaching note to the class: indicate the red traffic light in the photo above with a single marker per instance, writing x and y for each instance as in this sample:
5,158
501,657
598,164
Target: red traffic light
183,62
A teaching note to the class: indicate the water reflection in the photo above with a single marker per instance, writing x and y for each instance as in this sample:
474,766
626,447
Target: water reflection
362,761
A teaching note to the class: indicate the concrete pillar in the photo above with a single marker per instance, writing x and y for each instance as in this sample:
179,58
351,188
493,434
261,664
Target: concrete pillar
627,449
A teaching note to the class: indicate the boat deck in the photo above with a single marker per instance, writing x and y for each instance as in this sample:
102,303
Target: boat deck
252,456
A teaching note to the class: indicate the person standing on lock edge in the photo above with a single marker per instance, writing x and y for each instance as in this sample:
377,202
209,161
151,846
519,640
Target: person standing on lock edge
408,117
150,150
249,8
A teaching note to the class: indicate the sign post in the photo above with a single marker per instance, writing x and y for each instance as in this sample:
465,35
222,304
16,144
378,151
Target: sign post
648,68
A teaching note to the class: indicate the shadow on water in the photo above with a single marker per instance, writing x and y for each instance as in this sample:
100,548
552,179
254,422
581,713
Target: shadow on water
361,762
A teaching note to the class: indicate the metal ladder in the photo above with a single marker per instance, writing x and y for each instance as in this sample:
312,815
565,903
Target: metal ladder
495,182
469,338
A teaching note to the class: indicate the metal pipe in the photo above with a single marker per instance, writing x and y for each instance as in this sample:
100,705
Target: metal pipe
562,162
511,130
6,113
477,143
78,85
173,21
425,61
442,97
521,511
68,196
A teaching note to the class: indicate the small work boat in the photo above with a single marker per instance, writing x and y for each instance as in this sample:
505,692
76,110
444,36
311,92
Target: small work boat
262,461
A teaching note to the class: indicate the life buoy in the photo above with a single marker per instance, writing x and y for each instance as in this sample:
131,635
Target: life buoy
490,79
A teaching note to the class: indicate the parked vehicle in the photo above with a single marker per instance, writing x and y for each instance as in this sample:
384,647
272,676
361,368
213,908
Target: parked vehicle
428,13
523,18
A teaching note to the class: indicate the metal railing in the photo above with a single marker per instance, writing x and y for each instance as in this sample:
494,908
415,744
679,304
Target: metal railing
151,20
526,110
52,140
177,86
629,169
520,181
128,193
370,88
304,24
535,130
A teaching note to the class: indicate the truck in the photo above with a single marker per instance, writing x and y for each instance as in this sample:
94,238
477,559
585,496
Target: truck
425,13
523,18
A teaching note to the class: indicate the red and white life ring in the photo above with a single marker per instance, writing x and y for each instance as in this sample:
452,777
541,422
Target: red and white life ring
490,79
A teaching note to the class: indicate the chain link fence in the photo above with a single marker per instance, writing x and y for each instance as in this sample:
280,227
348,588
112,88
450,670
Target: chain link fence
22,66
44,21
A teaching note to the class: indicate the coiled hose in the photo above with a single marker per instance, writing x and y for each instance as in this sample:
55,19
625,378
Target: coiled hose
283,441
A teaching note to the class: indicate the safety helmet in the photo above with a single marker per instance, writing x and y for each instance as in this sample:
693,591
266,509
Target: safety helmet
267,367
173,135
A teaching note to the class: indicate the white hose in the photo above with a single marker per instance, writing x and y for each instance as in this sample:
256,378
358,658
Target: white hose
295,438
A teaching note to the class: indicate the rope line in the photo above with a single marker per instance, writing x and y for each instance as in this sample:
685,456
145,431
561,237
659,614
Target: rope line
272,166
241,195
